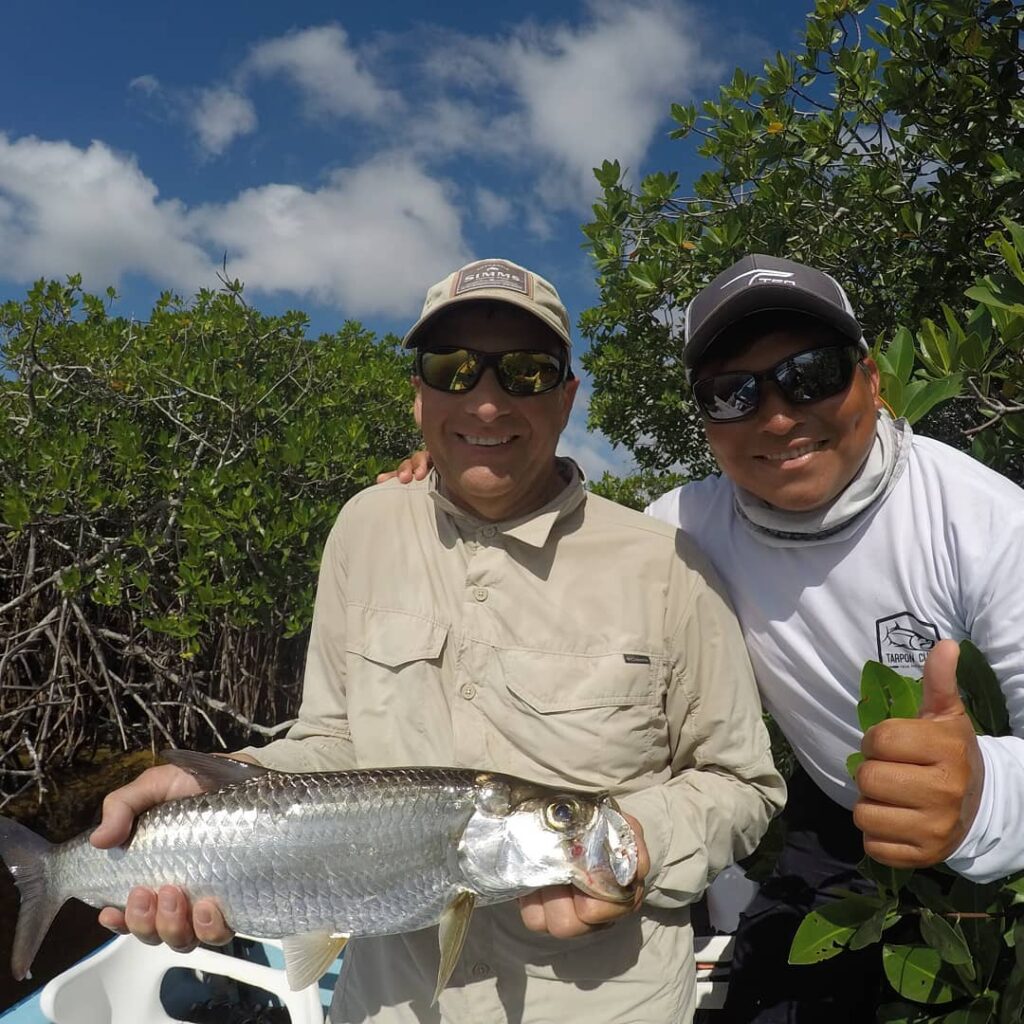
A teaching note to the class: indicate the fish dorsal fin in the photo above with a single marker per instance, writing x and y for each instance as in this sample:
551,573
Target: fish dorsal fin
451,935
212,770
307,957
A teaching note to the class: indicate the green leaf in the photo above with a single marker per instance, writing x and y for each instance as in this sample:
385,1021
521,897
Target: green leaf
825,932
929,394
1015,883
935,347
886,694
980,1011
888,878
920,974
871,930
904,1013
900,354
1011,1002
15,510
981,693
945,937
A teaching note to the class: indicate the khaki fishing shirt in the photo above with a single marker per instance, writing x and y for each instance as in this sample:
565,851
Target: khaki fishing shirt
585,645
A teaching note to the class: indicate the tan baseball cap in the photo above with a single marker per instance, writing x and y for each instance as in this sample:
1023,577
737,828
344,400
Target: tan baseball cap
499,280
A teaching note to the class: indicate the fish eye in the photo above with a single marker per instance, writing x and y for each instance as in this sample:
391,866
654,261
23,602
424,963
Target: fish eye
561,814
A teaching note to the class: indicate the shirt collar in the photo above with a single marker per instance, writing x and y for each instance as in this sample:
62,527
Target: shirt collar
535,527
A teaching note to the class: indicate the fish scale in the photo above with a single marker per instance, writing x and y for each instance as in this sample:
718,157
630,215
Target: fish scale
363,852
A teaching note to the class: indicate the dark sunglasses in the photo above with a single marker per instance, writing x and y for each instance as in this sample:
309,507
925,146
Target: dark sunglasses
519,372
809,376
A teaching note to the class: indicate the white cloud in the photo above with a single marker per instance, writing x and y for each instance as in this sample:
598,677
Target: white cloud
493,210
599,91
147,84
220,116
370,241
554,101
330,74
92,211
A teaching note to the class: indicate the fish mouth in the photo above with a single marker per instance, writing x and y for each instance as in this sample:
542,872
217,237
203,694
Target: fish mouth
608,871
604,887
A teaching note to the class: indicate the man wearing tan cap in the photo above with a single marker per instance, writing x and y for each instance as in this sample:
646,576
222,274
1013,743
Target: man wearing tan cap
495,615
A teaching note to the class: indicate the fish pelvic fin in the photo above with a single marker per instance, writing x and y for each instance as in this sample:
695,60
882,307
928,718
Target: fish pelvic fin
212,770
307,957
451,937
25,855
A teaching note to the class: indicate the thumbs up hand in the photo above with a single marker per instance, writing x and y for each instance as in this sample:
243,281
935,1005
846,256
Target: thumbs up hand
921,780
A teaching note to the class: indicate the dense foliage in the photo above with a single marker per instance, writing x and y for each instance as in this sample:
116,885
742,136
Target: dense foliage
886,153
166,488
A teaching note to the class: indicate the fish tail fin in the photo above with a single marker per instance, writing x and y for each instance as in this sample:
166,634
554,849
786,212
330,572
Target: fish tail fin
25,855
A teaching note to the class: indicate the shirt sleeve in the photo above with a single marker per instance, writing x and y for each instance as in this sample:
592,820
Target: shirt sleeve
724,788
320,739
992,563
994,846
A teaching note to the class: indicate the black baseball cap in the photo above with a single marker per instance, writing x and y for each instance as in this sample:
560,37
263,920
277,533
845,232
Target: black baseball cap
758,283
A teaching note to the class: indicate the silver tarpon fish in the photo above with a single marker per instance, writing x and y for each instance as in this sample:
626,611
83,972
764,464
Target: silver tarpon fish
313,858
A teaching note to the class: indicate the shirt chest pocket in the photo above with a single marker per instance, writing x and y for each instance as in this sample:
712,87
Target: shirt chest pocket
396,705
392,639
598,718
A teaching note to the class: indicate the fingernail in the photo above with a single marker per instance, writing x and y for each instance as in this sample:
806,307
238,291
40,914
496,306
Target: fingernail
139,902
168,901
204,916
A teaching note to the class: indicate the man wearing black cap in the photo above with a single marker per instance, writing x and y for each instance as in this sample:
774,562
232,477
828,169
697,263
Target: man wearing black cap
842,538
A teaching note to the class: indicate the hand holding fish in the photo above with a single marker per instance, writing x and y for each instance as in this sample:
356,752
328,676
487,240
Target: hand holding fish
164,915
922,779
565,912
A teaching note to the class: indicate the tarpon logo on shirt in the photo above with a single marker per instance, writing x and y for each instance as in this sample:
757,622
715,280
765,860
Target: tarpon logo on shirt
904,640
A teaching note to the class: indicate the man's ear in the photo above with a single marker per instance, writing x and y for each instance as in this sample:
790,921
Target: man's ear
870,370
417,402
569,389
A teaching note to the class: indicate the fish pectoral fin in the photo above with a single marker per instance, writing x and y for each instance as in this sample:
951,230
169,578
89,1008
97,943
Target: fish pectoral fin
307,957
451,936
212,770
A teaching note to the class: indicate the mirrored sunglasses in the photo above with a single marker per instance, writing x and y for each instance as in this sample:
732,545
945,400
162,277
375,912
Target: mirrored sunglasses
809,376
519,372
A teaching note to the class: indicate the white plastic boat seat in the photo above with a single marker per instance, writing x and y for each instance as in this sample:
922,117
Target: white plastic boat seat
121,982
712,954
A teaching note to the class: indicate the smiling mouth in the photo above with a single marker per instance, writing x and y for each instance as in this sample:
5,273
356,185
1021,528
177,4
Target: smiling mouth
487,442
794,453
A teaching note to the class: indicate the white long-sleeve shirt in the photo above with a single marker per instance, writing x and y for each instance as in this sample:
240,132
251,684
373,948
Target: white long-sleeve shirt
942,555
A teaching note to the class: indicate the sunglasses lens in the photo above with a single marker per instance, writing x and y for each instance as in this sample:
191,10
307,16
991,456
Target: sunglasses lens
808,376
529,373
520,372
727,396
812,376
450,369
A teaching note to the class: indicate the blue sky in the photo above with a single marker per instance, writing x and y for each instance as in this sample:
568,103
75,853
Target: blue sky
343,156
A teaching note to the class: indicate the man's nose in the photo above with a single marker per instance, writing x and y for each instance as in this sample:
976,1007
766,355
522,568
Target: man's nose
488,400
777,414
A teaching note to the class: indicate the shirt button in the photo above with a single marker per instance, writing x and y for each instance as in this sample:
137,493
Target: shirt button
480,969
488,531
480,593
468,691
